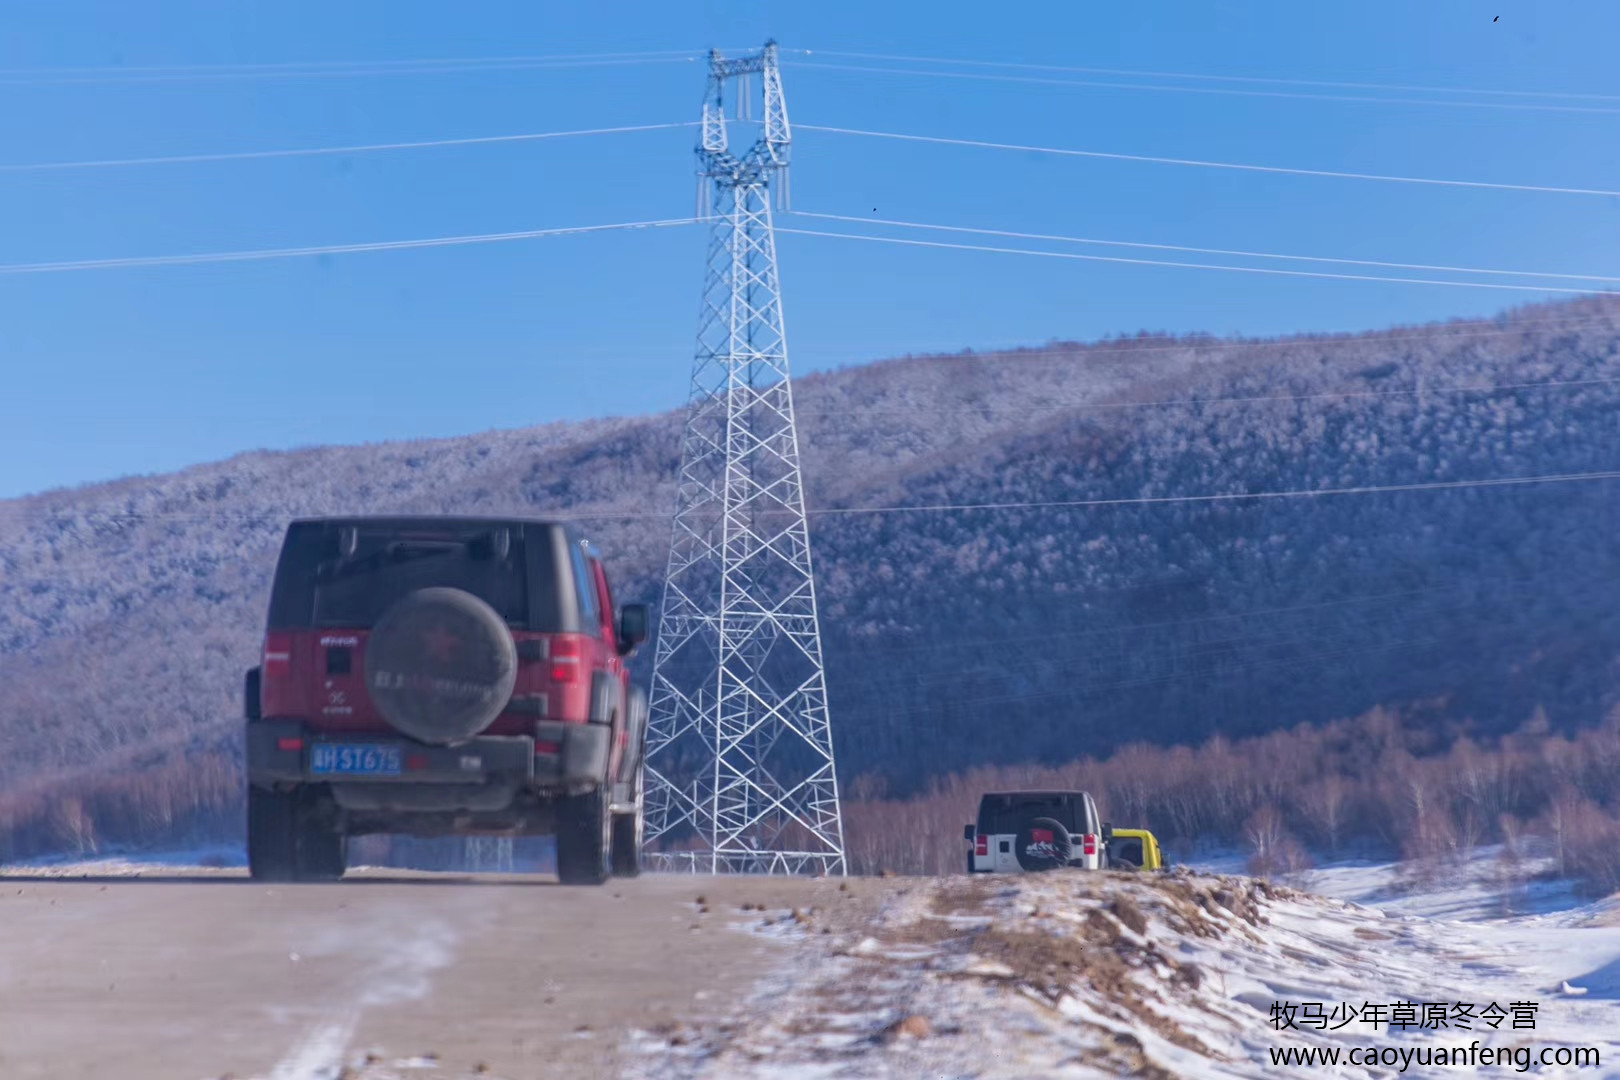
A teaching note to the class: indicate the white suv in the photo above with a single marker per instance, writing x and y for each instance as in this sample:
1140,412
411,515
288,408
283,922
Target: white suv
1036,830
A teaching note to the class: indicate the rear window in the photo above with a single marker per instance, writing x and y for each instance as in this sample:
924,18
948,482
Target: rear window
319,584
1126,849
1006,813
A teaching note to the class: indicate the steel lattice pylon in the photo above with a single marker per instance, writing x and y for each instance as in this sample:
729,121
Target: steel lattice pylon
489,854
740,771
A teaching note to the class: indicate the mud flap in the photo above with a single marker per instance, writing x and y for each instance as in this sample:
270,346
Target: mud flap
582,754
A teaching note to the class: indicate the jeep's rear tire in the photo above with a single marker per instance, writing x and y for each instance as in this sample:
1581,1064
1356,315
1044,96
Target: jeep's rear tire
440,665
1036,852
627,845
584,839
285,845
272,835
322,852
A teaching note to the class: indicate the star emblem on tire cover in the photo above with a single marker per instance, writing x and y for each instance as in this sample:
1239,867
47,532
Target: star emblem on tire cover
440,643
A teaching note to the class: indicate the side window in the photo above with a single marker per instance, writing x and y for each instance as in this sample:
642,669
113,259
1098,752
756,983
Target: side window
604,594
585,587
602,586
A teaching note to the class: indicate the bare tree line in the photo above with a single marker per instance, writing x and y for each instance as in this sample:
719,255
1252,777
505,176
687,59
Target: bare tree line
1372,786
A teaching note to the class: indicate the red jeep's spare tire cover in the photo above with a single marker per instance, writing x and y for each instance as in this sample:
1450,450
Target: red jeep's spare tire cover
1044,844
440,665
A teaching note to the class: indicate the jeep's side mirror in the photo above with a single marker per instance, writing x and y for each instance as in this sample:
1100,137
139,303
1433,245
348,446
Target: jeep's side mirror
634,626
967,833
1108,833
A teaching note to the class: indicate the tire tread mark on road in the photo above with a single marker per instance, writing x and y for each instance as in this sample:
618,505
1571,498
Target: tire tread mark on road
402,971
319,1055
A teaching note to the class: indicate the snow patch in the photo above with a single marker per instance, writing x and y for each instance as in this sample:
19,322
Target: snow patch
205,860
396,956
1170,975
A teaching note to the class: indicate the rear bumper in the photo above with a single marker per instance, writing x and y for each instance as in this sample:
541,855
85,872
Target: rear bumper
580,757
1001,857
558,756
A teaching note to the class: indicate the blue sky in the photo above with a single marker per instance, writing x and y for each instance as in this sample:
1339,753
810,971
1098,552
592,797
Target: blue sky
112,372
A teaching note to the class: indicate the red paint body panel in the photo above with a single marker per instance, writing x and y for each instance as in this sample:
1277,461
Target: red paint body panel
337,577
301,687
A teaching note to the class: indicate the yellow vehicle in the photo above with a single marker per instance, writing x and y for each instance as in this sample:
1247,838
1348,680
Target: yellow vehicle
1133,849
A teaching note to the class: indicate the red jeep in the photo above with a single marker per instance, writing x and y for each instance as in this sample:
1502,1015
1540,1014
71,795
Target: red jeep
444,676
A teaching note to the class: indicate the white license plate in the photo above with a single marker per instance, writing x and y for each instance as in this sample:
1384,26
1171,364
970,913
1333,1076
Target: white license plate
354,759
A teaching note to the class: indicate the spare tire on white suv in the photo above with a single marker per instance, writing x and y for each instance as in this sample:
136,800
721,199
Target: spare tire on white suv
1033,831
1044,844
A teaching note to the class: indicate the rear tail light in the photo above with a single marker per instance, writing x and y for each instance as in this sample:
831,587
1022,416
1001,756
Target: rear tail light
290,745
276,692
277,651
564,658
1090,843
547,748
981,845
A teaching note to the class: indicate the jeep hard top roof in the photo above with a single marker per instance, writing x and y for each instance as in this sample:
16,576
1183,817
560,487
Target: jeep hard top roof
1034,794
347,570
385,522
1005,811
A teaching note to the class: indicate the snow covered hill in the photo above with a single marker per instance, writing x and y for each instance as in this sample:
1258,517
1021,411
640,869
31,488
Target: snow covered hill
129,610
1182,974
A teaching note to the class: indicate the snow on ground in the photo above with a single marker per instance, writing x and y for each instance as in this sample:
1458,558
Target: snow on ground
191,861
1164,975
1480,888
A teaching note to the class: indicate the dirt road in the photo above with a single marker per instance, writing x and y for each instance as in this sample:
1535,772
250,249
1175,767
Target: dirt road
206,976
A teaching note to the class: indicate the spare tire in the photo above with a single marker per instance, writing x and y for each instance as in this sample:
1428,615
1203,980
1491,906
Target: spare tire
440,665
1043,844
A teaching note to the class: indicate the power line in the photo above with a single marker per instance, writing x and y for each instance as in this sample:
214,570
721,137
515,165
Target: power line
1193,162
1201,250
301,65
1165,88
185,159
1304,340
1212,78
1334,395
91,517
1191,265
330,249
1300,493
82,76
1081,352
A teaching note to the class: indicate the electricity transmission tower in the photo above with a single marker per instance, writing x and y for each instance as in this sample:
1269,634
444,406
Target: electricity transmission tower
740,756
489,854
